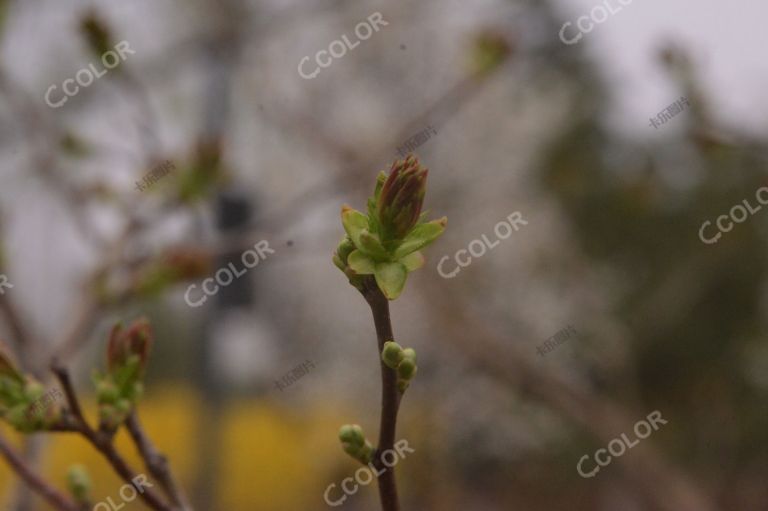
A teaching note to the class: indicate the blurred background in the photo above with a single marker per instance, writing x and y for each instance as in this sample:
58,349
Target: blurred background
509,118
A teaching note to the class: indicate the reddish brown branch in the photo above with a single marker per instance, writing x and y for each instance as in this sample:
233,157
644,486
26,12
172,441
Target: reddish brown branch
51,495
390,397
155,461
101,440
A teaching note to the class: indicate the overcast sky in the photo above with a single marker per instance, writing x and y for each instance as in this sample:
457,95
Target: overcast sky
728,41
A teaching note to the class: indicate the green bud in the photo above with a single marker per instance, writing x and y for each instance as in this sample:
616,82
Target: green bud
123,406
33,390
106,391
18,416
407,369
354,223
410,354
350,449
339,263
79,483
365,455
344,249
109,417
392,354
354,443
352,434
387,240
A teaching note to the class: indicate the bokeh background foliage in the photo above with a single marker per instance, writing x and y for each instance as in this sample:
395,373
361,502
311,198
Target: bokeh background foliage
524,123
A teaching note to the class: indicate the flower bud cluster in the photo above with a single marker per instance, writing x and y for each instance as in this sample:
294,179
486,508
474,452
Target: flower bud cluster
121,386
386,242
354,443
20,397
401,360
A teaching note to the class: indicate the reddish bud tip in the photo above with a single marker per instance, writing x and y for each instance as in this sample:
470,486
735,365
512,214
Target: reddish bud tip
136,340
402,196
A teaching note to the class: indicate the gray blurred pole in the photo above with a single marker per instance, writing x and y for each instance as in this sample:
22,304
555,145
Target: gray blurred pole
233,214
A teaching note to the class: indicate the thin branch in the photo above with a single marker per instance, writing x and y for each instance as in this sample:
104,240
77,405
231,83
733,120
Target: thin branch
101,440
51,495
69,391
390,397
156,462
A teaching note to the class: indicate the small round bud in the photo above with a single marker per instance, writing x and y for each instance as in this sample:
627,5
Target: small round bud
392,354
365,454
407,369
352,434
106,391
79,482
123,406
410,354
344,249
352,450
33,390
339,263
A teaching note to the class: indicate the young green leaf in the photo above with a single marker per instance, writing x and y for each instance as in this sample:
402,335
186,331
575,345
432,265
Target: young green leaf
361,263
370,244
354,222
421,236
390,278
413,261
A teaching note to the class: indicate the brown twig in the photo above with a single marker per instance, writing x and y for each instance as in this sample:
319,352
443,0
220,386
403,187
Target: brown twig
390,397
101,440
155,461
51,495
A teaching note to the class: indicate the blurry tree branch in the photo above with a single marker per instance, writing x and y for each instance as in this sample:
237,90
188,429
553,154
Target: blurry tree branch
51,495
156,462
102,440
666,487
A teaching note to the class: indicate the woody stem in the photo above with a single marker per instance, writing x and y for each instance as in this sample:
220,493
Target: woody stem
390,397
